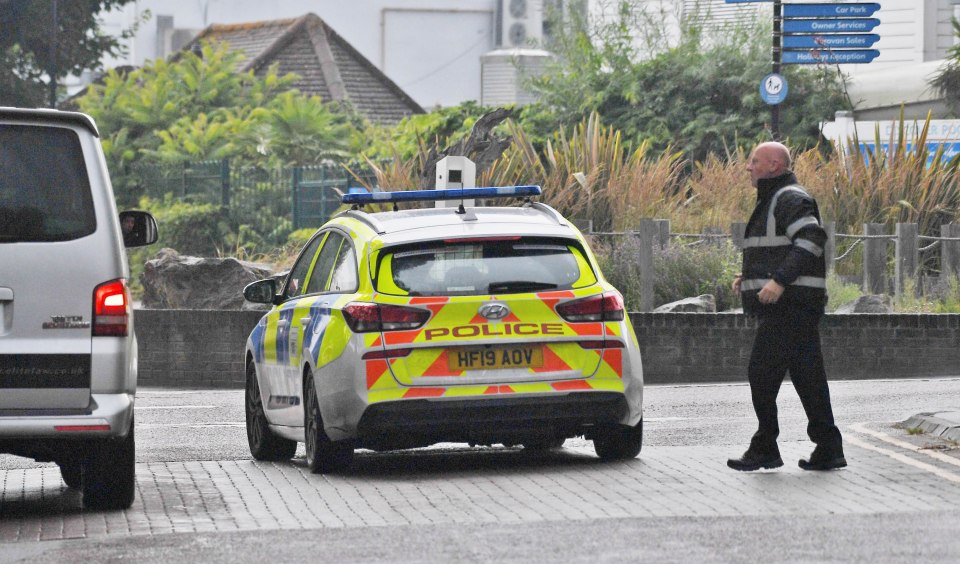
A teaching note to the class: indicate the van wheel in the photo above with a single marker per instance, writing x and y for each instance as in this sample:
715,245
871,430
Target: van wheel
619,442
323,455
109,473
71,472
543,445
264,443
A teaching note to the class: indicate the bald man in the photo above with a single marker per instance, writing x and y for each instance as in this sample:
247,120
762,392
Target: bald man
783,285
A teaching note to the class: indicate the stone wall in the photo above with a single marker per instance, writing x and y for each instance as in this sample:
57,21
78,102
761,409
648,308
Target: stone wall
204,348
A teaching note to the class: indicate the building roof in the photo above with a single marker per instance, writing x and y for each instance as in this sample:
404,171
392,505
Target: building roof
875,95
327,65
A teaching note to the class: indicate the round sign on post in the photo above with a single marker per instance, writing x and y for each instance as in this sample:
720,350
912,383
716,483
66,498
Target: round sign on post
773,89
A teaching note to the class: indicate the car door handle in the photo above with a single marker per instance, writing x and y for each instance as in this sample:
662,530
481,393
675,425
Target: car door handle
6,294
305,320
283,322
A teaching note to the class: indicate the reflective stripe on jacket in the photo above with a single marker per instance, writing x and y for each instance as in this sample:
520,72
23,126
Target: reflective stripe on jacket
784,241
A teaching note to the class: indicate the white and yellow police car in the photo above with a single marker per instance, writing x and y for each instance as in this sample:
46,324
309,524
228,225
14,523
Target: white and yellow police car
405,328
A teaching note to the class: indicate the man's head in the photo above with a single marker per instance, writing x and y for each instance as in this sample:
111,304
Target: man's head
768,160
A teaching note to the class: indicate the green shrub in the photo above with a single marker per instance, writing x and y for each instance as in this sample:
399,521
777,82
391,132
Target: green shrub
680,271
301,236
840,292
191,229
944,297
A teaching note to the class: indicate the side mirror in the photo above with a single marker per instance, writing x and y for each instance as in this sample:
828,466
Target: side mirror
139,228
261,292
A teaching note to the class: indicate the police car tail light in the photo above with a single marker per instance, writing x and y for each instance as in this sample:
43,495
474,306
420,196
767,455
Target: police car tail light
603,307
111,309
591,345
366,317
382,354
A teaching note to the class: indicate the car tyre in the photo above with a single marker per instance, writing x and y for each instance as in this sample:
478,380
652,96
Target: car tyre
264,443
71,471
619,442
323,455
109,473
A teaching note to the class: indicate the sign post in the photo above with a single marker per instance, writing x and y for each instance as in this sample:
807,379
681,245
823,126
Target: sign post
776,52
815,34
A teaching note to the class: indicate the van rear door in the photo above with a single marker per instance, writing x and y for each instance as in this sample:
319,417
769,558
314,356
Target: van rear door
53,254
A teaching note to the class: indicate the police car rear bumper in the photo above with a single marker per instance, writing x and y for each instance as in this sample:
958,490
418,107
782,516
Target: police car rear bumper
411,423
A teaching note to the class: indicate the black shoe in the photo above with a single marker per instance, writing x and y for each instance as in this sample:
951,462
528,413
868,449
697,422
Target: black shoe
751,461
822,462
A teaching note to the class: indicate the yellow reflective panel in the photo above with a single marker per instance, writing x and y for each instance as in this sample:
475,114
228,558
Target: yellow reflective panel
587,277
385,282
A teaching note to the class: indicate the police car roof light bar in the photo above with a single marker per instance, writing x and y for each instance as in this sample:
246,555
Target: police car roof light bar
436,195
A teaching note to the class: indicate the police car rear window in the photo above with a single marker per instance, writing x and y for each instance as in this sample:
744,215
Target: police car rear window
483,266
44,189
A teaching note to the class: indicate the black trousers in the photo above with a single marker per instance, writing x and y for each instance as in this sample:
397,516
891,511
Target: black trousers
788,339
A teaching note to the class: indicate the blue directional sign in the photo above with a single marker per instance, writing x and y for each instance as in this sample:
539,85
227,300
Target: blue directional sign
817,57
830,41
840,10
853,25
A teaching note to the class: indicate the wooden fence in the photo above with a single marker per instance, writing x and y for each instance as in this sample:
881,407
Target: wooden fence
908,245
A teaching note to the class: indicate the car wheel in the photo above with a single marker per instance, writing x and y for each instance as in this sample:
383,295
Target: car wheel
109,473
264,443
323,455
71,472
619,442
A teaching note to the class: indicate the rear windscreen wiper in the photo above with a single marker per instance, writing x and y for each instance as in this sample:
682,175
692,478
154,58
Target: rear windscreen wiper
519,286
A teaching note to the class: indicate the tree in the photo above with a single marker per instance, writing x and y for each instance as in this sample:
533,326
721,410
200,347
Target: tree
28,38
947,80
198,107
697,91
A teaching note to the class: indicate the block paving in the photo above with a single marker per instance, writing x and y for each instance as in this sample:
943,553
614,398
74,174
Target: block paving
456,484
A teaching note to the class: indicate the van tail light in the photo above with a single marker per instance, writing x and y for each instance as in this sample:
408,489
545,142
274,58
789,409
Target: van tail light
364,317
111,309
607,306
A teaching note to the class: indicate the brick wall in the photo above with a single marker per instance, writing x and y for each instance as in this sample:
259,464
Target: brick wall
204,348
192,348
699,347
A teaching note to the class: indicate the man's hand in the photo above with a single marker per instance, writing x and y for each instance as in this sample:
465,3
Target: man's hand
770,292
736,283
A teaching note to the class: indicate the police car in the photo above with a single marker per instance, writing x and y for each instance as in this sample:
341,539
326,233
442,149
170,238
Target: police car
475,324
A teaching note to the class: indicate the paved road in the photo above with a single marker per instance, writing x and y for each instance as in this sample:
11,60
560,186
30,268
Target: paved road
200,497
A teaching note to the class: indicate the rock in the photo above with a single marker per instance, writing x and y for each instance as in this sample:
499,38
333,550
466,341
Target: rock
172,281
700,304
870,303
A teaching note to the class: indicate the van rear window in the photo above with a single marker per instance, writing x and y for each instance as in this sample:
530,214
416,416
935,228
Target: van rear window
477,267
44,188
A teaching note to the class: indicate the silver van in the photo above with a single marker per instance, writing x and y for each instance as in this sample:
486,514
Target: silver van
68,355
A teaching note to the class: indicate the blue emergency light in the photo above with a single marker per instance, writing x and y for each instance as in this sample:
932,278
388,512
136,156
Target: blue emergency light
436,195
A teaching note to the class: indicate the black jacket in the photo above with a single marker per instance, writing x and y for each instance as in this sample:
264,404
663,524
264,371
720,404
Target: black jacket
790,251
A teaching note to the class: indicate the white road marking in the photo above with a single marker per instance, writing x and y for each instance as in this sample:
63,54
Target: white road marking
899,457
858,427
190,425
175,407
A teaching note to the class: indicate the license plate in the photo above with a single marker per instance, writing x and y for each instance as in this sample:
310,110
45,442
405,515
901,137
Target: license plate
493,358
